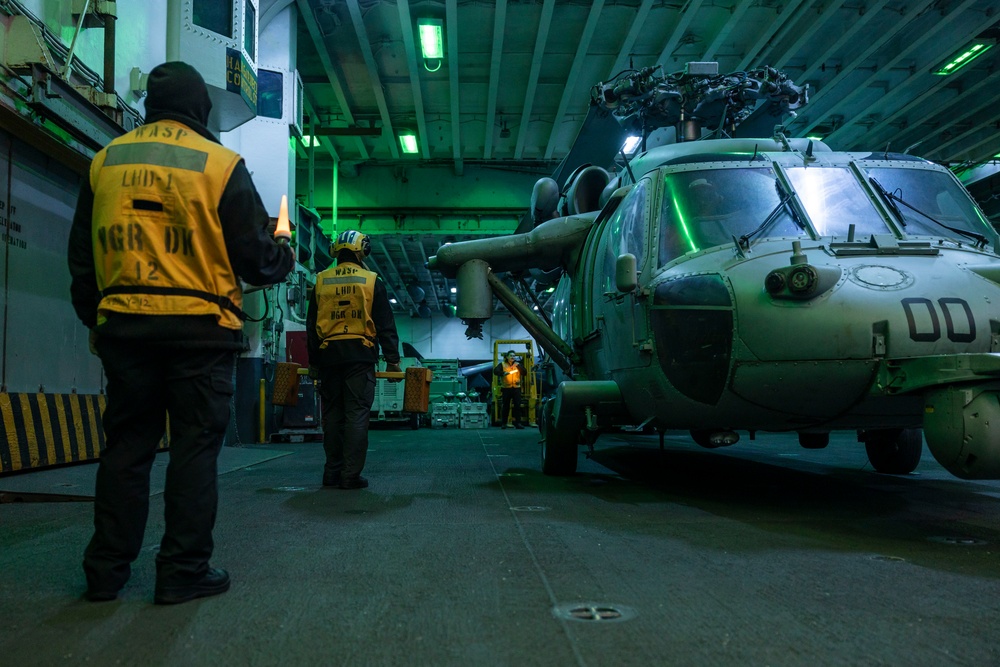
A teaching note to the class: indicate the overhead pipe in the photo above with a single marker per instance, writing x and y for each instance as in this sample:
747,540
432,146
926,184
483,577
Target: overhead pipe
110,25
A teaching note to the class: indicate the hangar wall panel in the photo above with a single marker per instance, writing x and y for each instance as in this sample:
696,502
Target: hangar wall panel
44,346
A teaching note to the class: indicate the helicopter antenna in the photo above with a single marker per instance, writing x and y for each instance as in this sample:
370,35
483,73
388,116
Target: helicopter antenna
885,155
754,156
627,167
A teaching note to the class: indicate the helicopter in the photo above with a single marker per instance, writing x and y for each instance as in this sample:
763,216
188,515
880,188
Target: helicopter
727,278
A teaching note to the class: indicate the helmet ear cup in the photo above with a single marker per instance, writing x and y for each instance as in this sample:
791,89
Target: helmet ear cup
366,245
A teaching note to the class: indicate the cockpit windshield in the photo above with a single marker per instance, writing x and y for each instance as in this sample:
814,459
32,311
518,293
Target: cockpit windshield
834,200
706,208
926,194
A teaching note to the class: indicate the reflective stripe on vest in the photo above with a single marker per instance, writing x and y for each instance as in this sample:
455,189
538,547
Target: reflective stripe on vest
344,296
511,375
158,242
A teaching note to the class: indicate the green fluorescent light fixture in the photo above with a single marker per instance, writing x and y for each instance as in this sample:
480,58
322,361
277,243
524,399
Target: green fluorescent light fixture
431,33
408,142
309,140
815,137
963,58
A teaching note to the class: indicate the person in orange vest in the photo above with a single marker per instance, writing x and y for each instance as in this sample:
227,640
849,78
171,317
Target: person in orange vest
510,373
167,222
348,319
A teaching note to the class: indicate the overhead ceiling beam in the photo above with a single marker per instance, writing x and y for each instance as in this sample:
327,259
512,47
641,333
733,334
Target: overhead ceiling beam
975,126
814,64
624,53
735,17
990,138
389,281
499,21
451,32
545,20
687,16
777,59
900,56
310,109
418,275
373,75
929,57
777,28
406,25
569,92
956,111
397,275
347,131
923,100
309,18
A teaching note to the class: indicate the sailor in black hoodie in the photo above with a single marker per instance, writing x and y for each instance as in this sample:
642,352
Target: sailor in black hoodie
167,222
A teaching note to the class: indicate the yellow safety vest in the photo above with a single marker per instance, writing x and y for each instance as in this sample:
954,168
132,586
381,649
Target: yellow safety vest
344,295
158,242
511,376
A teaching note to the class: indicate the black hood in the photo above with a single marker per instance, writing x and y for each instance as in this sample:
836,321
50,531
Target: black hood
176,91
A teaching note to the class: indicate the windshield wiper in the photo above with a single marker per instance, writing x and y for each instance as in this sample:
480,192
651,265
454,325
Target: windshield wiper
888,200
892,197
786,196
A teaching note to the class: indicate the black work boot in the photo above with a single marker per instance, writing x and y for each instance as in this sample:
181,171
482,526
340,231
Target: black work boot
358,482
215,581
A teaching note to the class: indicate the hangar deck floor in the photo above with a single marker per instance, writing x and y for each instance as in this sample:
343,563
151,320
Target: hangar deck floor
462,553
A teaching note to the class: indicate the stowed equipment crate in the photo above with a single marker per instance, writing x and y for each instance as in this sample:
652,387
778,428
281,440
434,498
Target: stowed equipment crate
417,391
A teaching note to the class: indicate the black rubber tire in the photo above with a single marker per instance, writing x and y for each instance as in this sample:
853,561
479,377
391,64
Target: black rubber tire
814,440
414,421
702,438
894,451
559,449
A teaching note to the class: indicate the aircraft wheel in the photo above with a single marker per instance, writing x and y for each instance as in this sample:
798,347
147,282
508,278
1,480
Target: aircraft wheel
559,449
814,440
894,451
414,421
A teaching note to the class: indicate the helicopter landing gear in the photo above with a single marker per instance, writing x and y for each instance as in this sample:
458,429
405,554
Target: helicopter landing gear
559,448
814,440
894,451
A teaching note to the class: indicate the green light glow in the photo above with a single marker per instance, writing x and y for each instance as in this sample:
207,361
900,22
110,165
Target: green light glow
963,58
308,140
431,38
408,142
684,226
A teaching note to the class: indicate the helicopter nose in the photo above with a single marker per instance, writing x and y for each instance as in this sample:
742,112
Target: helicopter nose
692,322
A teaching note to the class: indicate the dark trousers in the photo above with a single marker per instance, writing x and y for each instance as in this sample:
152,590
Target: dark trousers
508,396
144,385
348,392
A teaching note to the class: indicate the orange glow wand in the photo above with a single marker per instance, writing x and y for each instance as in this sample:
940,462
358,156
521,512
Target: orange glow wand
283,233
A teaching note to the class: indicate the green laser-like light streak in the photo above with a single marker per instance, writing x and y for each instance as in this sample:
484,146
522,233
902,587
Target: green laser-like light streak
684,227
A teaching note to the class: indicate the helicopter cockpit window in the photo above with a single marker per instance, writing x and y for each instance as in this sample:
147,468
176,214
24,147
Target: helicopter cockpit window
627,228
934,194
834,199
706,208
